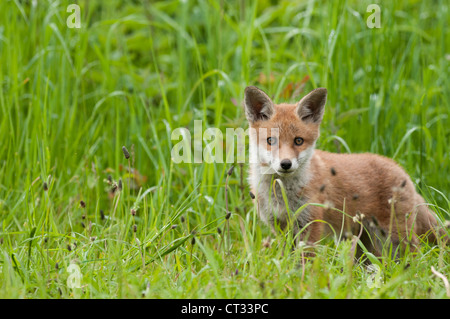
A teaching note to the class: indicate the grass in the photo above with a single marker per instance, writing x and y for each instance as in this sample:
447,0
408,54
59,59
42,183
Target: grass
71,98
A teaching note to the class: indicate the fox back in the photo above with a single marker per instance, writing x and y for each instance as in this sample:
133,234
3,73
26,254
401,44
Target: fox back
350,192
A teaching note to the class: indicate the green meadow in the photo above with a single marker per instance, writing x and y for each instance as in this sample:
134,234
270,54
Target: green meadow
79,219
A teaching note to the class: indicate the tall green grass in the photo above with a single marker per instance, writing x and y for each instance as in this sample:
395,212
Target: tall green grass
71,98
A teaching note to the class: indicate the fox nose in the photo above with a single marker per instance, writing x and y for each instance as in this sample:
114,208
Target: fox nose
286,164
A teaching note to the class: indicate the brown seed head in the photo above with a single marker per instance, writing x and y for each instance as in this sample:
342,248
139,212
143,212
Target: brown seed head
125,152
230,171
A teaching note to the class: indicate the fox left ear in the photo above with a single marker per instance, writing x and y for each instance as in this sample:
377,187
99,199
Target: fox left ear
311,107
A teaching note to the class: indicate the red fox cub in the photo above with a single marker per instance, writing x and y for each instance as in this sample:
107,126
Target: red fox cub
327,193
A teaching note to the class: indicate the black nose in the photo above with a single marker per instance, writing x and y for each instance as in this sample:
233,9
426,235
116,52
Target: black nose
286,164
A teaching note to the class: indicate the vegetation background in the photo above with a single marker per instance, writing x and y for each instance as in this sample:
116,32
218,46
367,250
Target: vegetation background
146,227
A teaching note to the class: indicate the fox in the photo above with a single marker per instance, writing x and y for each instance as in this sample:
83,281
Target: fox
316,193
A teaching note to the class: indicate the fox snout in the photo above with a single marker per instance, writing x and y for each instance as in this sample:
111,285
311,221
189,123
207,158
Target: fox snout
286,164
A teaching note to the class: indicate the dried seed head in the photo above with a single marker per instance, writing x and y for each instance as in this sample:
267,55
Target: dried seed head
93,238
266,242
46,240
110,180
358,217
301,244
182,219
102,215
375,221
125,152
82,204
219,231
83,225
396,190
392,200
230,171
83,216
114,188
45,186
133,212
193,241
57,266
134,228
69,248
227,216
120,185
328,204
252,196
174,226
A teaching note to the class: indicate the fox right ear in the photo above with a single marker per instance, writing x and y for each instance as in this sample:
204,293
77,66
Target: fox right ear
258,105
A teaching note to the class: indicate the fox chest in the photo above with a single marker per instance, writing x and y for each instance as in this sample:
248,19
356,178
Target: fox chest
272,205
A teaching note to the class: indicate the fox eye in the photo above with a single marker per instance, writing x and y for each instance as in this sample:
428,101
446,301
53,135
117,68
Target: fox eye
298,141
271,140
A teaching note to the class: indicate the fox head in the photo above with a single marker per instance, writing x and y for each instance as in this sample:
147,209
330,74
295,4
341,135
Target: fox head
285,134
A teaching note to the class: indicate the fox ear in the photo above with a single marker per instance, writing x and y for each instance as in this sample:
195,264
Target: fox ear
258,105
311,107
